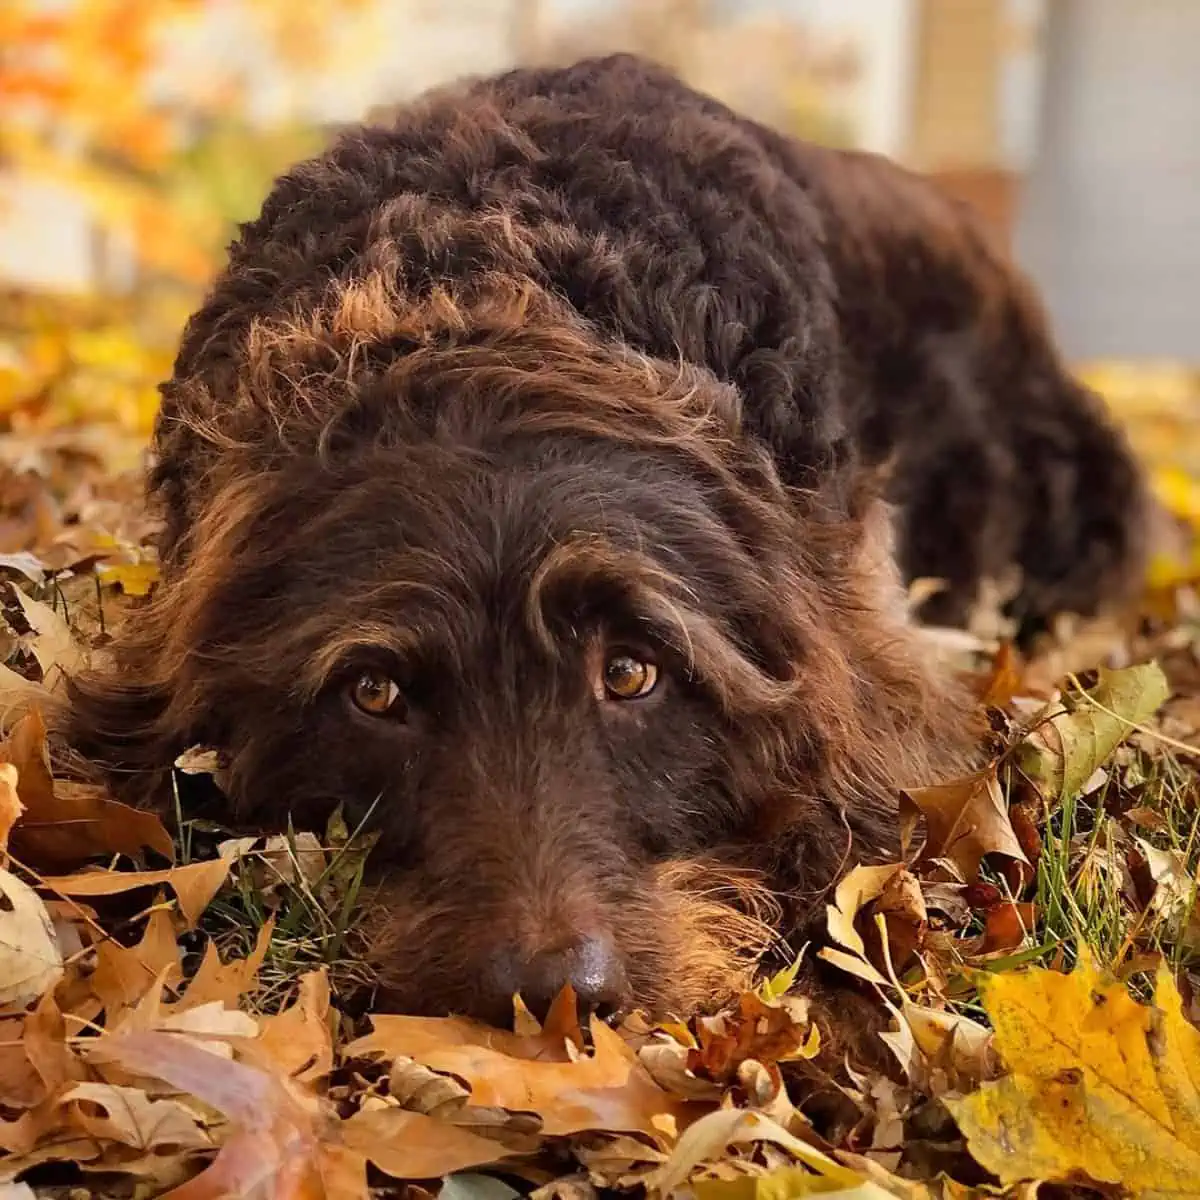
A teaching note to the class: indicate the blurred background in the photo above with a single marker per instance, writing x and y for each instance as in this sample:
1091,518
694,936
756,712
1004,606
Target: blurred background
135,133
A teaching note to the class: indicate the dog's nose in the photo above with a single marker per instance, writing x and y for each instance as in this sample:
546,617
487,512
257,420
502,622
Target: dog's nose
590,964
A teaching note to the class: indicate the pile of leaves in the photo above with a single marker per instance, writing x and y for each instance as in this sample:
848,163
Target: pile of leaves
182,1013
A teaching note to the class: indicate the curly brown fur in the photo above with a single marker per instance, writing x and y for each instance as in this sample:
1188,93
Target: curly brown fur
568,361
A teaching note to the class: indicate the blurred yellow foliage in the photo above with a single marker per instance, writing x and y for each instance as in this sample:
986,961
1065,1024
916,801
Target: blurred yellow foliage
1158,404
80,105
67,362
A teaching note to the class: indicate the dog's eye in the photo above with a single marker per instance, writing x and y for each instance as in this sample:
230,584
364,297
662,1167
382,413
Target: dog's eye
374,693
629,678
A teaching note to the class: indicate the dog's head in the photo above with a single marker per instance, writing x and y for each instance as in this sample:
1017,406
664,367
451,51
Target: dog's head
533,607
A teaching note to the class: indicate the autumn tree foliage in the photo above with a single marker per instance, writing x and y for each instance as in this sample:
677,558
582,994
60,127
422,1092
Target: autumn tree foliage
101,96
123,106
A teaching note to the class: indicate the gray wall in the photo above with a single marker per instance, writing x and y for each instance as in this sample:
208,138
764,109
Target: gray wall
1110,221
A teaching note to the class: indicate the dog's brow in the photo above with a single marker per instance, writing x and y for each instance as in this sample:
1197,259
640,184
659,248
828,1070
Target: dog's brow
359,641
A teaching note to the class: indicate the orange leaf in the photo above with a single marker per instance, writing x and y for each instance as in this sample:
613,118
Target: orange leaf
1006,925
194,885
65,824
297,1041
411,1145
227,982
124,974
607,1090
286,1145
1003,682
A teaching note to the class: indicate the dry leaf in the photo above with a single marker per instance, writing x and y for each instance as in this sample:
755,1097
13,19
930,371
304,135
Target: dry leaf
280,1146
20,1084
124,974
965,820
30,961
44,1040
227,982
1063,751
1100,1087
194,885
134,579
860,886
66,823
283,859
1003,681
606,1090
410,1145
53,644
709,1137
208,1021
1006,925
11,807
130,1117
953,1052
1175,890
297,1042
200,760
764,1033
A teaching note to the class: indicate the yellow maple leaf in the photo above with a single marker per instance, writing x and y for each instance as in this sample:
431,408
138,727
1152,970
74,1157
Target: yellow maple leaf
1101,1088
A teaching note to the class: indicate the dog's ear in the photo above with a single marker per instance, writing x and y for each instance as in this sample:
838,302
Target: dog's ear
113,729
868,484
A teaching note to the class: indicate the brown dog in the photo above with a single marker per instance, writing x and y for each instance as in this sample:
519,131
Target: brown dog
518,479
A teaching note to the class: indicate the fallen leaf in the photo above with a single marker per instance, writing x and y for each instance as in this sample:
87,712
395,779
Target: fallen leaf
194,885
134,579
297,1041
1062,752
410,1145
124,974
207,1021
853,892
201,760
66,823
709,1137
227,982
25,564
44,1041
20,1084
30,961
852,964
468,1186
279,1148
1175,886
130,1117
1100,1087
949,1044
754,1030
778,985
53,644
11,807
1006,925
18,694
785,1182
1003,680
965,820
606,1090
280,860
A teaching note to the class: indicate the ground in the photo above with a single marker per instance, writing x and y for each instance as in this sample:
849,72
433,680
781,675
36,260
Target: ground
181,1009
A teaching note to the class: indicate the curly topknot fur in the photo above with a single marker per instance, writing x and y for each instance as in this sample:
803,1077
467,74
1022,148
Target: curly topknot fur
574,362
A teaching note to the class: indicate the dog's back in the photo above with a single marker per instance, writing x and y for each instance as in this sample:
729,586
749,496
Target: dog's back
945,368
